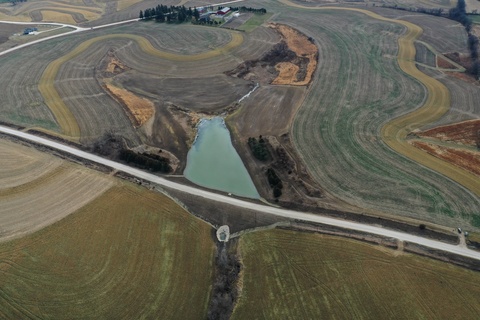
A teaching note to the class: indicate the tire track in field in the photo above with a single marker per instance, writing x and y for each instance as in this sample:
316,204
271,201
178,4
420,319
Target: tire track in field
62,113
395,132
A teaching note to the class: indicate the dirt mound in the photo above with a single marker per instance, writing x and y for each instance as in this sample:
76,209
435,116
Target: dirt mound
304,49
292,61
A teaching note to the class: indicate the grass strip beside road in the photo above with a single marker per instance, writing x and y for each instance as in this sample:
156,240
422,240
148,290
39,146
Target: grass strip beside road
394,133
62,113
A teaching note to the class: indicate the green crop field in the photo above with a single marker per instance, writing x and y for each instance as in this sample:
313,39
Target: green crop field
293,275
337,130
129,254
255,21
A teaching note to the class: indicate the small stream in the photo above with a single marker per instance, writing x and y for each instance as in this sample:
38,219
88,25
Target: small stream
213,162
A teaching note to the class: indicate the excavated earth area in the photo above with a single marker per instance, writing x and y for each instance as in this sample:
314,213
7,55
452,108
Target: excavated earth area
290,62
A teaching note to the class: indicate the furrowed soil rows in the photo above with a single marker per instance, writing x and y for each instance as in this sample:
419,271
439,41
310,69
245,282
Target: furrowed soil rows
424,56
65,117
30,205
268,111
464,99
131,253
19,165
466,133
337,130
465,159
52,11
324,275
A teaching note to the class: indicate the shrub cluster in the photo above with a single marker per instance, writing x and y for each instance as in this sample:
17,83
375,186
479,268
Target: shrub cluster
259,148
274,182
224,292
459,14
146,161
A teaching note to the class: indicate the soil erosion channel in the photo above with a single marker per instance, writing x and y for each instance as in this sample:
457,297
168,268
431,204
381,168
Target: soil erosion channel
395,132
212,161
64,116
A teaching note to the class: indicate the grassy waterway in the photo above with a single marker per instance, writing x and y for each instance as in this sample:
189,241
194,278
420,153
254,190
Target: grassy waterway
214,163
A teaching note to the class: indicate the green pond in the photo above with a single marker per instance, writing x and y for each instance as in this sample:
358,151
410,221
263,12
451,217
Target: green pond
213,162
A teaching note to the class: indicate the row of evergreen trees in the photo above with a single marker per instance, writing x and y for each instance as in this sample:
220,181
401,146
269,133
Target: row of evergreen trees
259,148
247,9
145,161
163,13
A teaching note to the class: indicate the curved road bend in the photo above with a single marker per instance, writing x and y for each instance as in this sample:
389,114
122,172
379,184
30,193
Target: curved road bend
244,204
77,29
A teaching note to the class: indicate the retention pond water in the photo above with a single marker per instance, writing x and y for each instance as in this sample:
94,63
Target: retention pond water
213,162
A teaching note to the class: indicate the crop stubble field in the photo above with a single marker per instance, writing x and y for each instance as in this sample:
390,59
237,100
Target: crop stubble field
337,132
81,89
37,189
130,253
296,275
51,11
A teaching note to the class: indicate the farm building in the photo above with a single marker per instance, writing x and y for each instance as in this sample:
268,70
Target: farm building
223,11
29,30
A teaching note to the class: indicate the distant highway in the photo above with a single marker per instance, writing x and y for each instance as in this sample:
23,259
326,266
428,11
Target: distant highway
456,249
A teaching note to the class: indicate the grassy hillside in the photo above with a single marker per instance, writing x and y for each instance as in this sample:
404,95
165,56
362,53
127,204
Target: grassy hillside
292,275
129,254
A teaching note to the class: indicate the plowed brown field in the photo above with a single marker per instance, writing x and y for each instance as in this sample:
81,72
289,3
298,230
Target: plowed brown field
466,132
465,159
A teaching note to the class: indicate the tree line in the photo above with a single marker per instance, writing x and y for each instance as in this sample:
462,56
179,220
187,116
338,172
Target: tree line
163,13
459,13
247,9
259,148
275,182
146,161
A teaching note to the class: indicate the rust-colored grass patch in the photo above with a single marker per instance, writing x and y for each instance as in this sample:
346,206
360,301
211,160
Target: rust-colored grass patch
466,159
139,109
466,132
444,64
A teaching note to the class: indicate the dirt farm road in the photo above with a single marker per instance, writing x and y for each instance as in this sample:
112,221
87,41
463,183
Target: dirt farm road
455,249
76,30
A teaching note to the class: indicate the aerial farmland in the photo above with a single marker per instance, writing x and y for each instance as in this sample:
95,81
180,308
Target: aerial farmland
276,159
